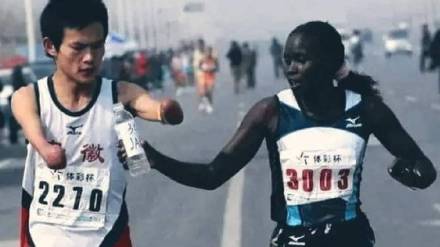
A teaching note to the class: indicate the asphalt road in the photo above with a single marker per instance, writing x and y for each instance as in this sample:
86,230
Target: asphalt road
164,213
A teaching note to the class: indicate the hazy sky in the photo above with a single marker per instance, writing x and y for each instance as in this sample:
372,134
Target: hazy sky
257,19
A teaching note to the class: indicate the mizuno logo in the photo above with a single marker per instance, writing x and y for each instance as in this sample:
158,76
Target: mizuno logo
353,122
296,241
73,130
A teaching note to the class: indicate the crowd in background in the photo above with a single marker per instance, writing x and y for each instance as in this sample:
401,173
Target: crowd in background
182,65
242,62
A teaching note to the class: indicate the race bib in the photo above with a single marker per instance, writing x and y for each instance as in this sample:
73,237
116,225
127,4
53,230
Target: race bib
318,175
75,196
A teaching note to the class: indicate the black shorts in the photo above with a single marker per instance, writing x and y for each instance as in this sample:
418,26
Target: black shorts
353,233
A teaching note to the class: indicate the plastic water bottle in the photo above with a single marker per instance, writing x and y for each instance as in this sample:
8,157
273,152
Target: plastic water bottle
126,130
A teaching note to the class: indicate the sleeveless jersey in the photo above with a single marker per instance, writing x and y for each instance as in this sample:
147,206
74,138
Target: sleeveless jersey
83,204
316,168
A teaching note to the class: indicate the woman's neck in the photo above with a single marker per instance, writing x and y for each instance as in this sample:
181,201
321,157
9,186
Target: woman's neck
325,103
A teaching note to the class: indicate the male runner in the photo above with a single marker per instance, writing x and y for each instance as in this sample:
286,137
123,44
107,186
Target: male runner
73,184
316,133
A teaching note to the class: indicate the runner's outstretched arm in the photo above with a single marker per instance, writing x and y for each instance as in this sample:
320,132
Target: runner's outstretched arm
144,106
411,167
234,156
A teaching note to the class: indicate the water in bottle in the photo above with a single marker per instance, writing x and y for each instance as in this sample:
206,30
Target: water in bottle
126,130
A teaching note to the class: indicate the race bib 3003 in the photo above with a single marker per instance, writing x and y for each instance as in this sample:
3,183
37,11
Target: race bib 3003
317,175
75,196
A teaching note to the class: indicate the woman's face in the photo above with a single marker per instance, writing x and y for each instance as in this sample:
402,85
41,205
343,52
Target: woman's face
304,66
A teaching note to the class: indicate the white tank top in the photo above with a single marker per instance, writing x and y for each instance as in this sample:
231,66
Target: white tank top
78,205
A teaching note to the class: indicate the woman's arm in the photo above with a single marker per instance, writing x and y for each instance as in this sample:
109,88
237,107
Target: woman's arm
234,156
411,167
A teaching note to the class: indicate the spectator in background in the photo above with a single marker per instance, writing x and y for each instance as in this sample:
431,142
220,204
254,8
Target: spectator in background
177,72
235,57
156,70
434,51
276,52
2,115
249,64
425,42
140,69
125,72
357,53
18,81
246,61
197,56
187,64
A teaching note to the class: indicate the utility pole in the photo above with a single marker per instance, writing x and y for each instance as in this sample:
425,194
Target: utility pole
153,14
142,32
435,18
121,24
30,30
130,16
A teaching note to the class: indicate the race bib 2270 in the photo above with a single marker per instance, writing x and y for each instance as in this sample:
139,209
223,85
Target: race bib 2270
75,196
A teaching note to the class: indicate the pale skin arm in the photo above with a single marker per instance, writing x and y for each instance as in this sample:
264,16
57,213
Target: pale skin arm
25,111
147,108
24,108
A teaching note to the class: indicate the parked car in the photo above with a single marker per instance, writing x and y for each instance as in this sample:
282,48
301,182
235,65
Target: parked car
43,68
397,41
5,77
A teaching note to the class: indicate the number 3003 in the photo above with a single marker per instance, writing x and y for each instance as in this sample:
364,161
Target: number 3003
325,179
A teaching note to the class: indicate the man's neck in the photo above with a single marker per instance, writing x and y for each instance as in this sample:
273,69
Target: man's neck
72,94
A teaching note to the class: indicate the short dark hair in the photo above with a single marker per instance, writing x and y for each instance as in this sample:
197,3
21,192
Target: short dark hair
327,39
61,14
329,44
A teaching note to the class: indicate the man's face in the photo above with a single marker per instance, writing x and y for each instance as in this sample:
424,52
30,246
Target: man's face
302,64
80,54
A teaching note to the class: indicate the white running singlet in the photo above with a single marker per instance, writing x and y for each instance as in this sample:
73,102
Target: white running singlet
78,205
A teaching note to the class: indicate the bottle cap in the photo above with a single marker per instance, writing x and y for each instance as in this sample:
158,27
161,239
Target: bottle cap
118,107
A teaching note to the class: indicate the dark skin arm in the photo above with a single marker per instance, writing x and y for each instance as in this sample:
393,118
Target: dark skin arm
234,156
411,167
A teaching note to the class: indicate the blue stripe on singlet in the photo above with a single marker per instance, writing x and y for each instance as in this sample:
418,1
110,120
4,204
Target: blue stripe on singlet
352,204
293,217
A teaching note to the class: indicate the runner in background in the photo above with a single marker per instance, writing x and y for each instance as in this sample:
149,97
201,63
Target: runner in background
178,72
208,67
276,51
425,43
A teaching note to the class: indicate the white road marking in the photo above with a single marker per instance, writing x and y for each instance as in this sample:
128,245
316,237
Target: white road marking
434,222
411,99
12,163
435,106
9,243
232,218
